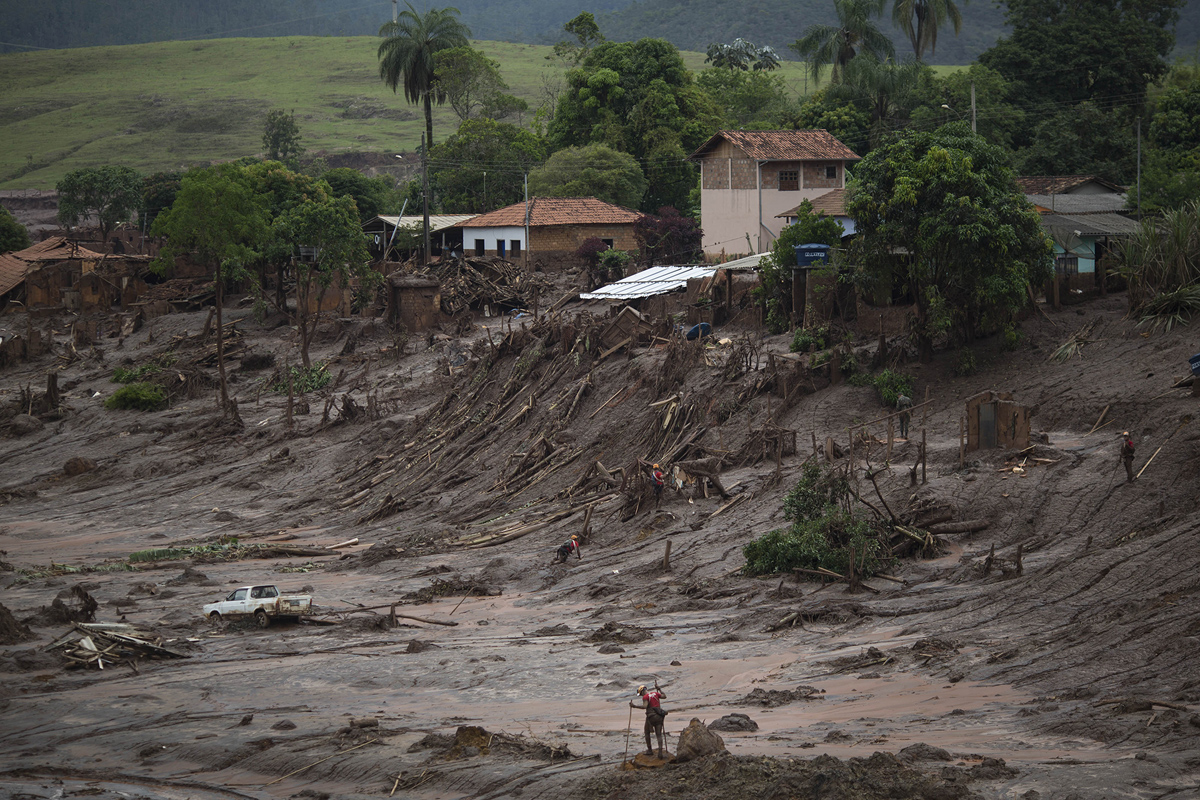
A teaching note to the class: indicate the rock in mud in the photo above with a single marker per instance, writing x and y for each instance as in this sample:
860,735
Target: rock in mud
12,631
610,648
733,722
922,752
418,646
779,697
697,741
78,466
284,725
191,577
993,769
621,634
24,424
552,630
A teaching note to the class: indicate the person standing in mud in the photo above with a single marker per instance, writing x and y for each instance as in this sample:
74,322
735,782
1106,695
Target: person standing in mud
903,405
651,700
566,548
657,480
1127,450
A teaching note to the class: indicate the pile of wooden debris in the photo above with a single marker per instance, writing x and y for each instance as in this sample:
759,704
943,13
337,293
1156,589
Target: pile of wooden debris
475,282
95,644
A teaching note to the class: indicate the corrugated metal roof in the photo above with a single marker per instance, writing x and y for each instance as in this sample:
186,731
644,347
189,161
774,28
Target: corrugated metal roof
650,282
1090,224
744,263
437,222
1062,184
1077,203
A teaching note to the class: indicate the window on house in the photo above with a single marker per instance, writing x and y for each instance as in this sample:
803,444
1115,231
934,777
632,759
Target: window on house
1067,265
608,243
514,247
500,247
479,248
789,180
831,172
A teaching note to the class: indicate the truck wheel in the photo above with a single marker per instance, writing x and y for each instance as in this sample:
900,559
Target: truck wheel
215,616
262,619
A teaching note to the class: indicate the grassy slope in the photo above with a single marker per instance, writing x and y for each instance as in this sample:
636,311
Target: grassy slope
171,105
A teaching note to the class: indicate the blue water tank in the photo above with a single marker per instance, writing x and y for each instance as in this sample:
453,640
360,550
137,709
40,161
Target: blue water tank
1194,361
809,254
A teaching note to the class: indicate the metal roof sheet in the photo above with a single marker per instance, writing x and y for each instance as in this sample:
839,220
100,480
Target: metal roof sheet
1090,224
437,222
650,282
1077,203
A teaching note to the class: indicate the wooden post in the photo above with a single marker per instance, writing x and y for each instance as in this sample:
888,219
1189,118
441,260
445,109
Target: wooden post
922,456
291,395
1020,568
925,408
667,556
829,449
814,438
962,442
1056,300
1196,387
586,533
891,432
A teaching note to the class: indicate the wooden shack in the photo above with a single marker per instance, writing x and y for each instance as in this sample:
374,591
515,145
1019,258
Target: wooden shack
414,301
994,419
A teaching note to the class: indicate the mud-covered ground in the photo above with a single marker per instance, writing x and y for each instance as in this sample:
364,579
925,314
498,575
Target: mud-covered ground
461,464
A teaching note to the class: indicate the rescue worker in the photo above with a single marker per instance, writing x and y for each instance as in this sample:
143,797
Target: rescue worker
651,700
657,480
903,404
566,548
1127,455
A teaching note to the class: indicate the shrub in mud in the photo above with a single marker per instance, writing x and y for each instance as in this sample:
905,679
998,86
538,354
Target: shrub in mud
138,397
826,529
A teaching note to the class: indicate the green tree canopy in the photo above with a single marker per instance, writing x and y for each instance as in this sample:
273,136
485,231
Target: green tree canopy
593,170
13,235
483,165
748,100
281,137
1083,140
639,98
158,192
370,194
109,193
472,84
1063,52
835,45
886,90
1171,172
586,34
948,99
741,55
948,200
406,55
775,269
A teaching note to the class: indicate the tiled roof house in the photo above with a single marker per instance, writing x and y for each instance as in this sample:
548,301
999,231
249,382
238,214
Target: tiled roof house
750,179
556,226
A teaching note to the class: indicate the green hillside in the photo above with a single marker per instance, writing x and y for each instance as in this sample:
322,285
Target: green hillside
171,105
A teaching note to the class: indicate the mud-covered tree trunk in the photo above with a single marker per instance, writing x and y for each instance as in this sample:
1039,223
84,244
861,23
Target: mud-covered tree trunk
220,281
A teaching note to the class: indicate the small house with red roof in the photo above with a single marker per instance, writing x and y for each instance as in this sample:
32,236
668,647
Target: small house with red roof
546,231
750,179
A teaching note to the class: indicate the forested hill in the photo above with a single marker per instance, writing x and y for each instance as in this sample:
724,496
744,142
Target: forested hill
689,24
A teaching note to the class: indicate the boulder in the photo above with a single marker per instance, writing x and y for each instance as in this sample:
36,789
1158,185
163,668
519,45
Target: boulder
78,466
23,424
733,722
697,741
922,752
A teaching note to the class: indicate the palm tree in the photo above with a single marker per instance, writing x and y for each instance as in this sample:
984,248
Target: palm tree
885,88
835,45
928,15
407,51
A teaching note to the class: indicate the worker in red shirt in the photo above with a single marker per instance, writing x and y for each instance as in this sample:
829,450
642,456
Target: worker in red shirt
1127,451
566,548
657,480
651,700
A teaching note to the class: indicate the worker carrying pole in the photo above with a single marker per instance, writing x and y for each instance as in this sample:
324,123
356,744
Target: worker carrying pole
651,700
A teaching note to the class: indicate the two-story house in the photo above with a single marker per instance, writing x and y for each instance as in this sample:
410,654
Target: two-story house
749,179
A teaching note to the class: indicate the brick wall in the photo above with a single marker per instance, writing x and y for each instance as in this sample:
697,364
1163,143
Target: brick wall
814,175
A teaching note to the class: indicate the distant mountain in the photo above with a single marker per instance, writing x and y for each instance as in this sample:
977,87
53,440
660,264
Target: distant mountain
689,24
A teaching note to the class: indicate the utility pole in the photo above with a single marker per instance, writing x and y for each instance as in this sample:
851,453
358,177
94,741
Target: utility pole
526,219
425,193
1139,167
395,14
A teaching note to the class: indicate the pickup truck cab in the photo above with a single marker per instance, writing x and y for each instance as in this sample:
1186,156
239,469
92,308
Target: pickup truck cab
264,603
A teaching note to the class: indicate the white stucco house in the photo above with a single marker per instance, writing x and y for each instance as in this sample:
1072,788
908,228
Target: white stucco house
750,179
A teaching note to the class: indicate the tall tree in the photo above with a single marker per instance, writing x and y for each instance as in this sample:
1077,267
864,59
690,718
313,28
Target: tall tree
593,170
13,235
741,55
587,35
281,136
750,100
331,228
835,45
669,238
473,86
109,193
482,166
971,241
218,218
407,55
920,20
887,90
1062,52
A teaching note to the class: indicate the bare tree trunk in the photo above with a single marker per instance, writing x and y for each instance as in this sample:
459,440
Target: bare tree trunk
428,131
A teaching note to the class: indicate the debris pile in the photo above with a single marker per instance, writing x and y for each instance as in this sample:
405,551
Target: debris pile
474,282
95,644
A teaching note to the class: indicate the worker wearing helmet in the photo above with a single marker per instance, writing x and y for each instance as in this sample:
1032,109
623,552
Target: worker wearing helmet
657,480
569,546
651,700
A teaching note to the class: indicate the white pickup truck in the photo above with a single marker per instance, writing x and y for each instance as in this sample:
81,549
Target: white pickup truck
263,602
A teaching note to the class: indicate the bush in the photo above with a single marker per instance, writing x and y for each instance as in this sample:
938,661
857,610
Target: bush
965,365
1013,339
824,530
138,397
892,384
808,339
303,379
